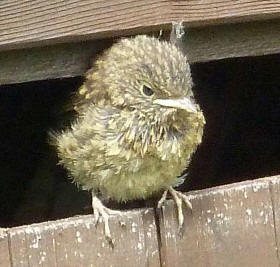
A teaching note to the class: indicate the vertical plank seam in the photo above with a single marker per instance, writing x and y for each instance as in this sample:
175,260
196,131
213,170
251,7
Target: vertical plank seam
145,239
274,221
10,248
159,241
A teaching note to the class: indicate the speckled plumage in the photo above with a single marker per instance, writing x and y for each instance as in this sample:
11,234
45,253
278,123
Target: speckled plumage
125,144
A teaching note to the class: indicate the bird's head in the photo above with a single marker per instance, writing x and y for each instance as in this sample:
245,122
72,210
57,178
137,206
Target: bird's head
144,75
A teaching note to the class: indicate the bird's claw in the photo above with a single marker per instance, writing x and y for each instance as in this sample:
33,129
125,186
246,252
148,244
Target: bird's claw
162,199
100,211
179,198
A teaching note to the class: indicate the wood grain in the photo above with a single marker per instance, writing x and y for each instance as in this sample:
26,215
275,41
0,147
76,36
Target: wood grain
200,44
40,22
4,248
41,63
274,187
36,23
78,242
199,12
230,41
229,226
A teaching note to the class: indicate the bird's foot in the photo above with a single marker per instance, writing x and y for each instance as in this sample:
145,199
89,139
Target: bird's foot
179,198
100,211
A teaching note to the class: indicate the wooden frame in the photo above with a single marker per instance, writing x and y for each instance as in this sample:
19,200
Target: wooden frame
46,24
232,225
36,23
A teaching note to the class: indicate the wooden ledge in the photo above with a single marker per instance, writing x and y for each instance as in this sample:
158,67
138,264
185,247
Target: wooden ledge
201,44
232,225
36,23
54,39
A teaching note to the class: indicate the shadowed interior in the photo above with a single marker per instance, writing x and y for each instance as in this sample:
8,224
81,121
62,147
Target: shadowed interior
240,100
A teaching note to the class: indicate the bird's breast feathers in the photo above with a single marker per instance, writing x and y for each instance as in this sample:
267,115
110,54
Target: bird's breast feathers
141,175
123,165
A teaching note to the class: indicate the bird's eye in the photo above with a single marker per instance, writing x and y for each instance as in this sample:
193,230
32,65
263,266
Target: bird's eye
147,90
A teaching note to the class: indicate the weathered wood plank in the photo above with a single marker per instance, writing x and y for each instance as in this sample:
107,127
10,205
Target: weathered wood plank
274,187
235,40
229,226
4,249
78,242
196,12
18,248
232,225
201,44
32,23
41,63
41,22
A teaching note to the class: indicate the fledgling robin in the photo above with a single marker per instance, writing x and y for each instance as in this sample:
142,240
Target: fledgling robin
138,125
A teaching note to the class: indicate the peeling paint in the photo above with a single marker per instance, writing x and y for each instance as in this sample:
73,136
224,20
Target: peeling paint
78,236
134,227
43,255
139,246
248,212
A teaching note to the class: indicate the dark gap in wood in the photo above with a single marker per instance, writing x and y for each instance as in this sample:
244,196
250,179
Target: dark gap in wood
10,248
35,189
157,215
274,219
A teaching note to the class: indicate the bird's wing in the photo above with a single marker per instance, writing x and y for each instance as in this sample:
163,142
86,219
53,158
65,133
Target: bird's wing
93,90
90,148
110,137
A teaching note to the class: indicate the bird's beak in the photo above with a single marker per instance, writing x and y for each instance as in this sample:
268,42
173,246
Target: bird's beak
181,103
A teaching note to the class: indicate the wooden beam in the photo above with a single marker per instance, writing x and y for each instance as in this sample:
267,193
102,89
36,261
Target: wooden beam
201,44
41,63
4,248
79,242
233,40
231,225
36,23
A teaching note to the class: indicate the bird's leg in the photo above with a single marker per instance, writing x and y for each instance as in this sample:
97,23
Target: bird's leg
100,210
178,197
162,199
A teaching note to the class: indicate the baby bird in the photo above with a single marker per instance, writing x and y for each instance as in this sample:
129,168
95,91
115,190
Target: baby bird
137,127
